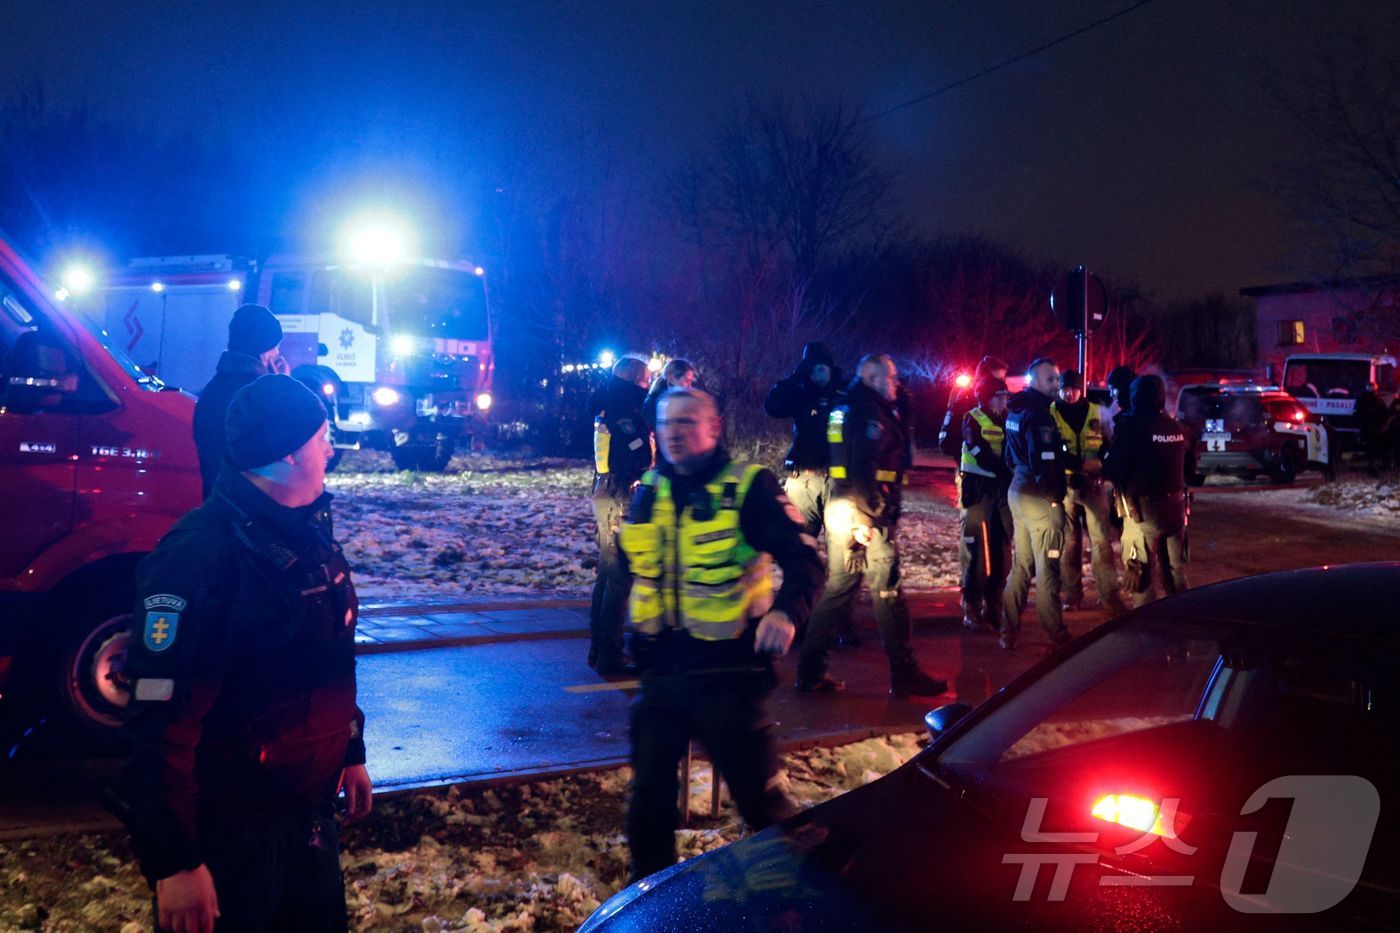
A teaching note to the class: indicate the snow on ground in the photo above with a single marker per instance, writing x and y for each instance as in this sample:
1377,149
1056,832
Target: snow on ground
501,527
1372,497
538,856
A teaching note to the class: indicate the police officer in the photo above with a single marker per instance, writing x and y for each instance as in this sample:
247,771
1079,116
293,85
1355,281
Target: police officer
244,723
1151,457
622,449
1037,459
989,367
254,341
807,397
986,515
676,374
699,541
868,457
1081,424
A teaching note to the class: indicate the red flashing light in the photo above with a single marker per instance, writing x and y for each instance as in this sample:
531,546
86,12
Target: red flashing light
962,381
1300,414
1131,811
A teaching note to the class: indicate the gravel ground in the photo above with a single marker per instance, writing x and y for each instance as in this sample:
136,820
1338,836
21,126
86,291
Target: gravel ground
538,856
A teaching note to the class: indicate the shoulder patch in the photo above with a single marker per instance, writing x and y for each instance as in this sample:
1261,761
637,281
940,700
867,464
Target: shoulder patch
1048,434
162,621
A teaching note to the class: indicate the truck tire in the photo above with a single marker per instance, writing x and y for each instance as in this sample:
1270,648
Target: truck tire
1286,471
87,668
430,458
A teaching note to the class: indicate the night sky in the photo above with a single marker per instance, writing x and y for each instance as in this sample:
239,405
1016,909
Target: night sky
1143,147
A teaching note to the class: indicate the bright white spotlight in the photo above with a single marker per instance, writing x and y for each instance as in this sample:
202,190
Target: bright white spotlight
607,358
480,271
78,279
235,285
385,396
377,244
483,401
403,345
157,287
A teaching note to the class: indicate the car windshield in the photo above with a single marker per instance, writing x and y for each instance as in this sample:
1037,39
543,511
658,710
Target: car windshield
433,302
1327,377
1242,683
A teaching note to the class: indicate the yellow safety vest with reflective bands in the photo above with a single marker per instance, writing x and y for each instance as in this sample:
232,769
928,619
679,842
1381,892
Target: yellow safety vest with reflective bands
992,433
696,572
1089,441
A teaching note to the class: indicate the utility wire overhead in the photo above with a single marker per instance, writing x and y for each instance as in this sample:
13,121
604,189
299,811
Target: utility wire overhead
1010,61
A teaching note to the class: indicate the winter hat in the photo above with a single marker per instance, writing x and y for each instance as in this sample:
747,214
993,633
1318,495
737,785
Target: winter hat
990,364
1120,379
270,418
816,354
1072,380
989,387
253,330
1148,394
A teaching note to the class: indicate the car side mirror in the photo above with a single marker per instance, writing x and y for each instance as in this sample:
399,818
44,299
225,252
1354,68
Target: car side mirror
40,374
942,719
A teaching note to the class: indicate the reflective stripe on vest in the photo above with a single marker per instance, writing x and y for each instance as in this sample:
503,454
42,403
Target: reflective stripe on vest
1089,441
697,574
994,436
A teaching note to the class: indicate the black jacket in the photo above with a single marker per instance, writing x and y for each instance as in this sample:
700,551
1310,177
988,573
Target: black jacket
809,406
243,673
235,370
1151,456
1034,449
619,402
873,452
770,525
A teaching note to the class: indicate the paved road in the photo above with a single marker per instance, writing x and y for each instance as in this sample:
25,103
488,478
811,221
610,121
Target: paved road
502,692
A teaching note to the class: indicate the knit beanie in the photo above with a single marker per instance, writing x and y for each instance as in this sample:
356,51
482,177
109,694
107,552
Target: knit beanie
269,418
253,330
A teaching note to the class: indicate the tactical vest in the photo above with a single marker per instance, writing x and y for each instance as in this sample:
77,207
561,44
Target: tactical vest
994,436
836,438
692,568
1089,441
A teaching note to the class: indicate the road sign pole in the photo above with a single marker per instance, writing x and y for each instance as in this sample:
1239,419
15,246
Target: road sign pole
1084,330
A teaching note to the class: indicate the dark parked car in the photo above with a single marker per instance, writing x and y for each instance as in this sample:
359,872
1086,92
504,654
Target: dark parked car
1217,760
1244,430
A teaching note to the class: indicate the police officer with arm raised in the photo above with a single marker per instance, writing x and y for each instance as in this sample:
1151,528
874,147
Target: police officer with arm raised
1037,459
244,724
1151,457
699,540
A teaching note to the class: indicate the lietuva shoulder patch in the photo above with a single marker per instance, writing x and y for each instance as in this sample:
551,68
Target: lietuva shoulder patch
162,622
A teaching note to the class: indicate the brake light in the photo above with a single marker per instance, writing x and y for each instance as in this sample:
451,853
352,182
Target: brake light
1300,414
963,381
1134,812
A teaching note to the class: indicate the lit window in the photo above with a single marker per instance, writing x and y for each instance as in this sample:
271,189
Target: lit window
1290,333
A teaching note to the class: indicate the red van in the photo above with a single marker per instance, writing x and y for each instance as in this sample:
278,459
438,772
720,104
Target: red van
97,460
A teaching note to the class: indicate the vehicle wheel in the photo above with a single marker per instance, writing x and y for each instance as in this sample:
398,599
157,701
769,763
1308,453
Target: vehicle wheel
89,670
1286,471
438,457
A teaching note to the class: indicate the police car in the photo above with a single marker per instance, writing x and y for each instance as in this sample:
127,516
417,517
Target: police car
1245,430
1221,759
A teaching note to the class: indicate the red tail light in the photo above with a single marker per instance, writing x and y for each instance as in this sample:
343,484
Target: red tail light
963,381
1132,811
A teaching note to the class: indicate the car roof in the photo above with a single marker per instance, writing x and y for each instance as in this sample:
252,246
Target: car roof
1349,357
1348,600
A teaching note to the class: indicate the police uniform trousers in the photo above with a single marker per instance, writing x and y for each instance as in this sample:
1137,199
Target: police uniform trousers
1156,542
881,574
724,710
809,490
1087,509
275,873
1039,540
984,553
608,611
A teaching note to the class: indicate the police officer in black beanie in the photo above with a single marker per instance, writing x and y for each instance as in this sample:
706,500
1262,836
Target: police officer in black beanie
244,725
254,336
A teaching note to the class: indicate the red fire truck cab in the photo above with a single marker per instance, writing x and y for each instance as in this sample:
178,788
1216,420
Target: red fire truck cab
97,461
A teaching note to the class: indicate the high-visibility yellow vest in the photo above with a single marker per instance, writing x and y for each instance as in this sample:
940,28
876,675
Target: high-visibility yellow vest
992,433
602,444
836,437
696,573
1089,441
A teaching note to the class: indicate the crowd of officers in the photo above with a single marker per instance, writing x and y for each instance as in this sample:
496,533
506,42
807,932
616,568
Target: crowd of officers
687,538
243,715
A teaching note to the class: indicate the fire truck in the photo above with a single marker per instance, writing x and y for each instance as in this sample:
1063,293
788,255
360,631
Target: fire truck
400,351
97,461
